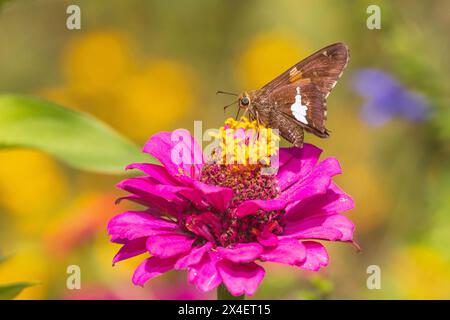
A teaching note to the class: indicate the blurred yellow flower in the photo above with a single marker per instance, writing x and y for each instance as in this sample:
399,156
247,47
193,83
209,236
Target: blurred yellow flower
370,193
96,62
32,186
29,264
267,56
105,77
154,98
421,272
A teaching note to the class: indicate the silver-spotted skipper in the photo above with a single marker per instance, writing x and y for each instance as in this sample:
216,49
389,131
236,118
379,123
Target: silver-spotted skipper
296,100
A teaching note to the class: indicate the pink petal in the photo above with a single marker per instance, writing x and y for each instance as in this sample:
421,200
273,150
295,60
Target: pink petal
296,163
195,196
333,227
241,252
136,224
218,197
206,225
130,249
316,256
333,201
288,251
193,257
345,202
163,197
240,278
252,206
156,172
171,147
169,245
205,274
317,182
267,238
151,268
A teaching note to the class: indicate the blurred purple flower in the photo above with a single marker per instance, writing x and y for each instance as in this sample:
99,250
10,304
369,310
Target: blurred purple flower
387,98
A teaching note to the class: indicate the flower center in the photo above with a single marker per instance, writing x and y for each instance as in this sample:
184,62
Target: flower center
247,183
249,146
245,142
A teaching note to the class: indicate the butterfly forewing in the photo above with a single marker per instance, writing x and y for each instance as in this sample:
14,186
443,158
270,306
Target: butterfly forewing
322,68
284,98
299,94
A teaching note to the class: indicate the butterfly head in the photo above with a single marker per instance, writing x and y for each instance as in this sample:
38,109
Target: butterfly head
244,100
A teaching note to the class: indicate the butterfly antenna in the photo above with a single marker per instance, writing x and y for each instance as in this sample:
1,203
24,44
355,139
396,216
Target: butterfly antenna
225,92
229,105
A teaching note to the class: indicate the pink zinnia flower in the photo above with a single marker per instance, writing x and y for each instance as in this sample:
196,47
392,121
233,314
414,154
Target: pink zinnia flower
218,221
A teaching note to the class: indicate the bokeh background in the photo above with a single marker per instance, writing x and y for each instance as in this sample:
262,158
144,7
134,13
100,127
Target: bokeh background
145,66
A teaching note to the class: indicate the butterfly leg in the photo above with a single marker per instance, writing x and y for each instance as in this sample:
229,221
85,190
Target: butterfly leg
245,112
258,121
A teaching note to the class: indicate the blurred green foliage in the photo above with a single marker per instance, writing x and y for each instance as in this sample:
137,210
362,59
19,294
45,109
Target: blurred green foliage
10,291
73,137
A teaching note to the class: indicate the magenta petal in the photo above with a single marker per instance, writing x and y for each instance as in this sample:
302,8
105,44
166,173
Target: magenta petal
240,278
193,257
130,249
252,206
169,245
288,251
151,268
334,227
296,163
267,238
136,224
195,196
317,182
148,190
205,274
316,256
241,252
156,172
344,202
218,197
333,201
205,225
177,151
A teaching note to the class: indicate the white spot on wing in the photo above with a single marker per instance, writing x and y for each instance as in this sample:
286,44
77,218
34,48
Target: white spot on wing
298,109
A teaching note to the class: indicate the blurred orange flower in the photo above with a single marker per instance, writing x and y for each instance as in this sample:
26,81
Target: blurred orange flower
79,223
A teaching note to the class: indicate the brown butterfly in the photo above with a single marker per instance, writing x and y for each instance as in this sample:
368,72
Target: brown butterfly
296,100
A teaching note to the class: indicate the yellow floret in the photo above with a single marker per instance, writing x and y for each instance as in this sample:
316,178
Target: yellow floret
246,142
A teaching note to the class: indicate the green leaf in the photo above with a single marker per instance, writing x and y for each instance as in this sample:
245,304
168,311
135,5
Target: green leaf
12,290
76,138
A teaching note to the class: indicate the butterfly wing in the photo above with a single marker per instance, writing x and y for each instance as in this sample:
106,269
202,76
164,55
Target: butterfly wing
323,68
312,79
303,104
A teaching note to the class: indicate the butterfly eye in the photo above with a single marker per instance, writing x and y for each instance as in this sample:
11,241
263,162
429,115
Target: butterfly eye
245,101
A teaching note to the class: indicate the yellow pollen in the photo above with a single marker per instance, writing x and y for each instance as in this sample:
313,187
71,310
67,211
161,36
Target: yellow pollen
245,142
